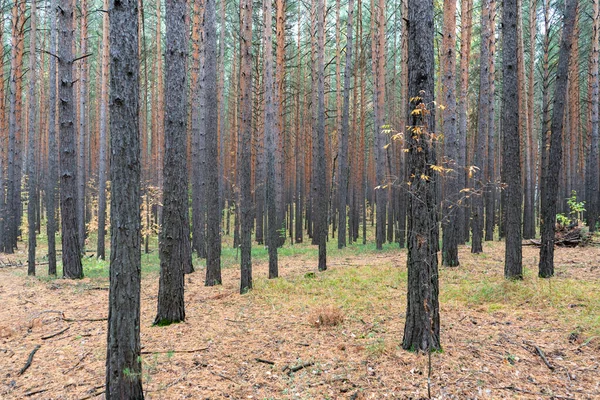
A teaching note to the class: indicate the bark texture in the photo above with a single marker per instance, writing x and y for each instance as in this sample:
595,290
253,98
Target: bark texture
174,243
71,252
422,328
123,363
551,173
450,221
511,167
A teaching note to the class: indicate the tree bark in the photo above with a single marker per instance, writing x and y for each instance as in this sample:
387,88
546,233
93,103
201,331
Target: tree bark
345,133
477,200
269,146
174,243
511,166
213,216
245,136
320,196
82,134
123,362
52,174
592,184
31,145
465,55
422,328
71,252
101,251
450,217
551,173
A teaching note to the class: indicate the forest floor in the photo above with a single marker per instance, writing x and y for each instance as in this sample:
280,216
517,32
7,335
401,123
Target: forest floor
491,330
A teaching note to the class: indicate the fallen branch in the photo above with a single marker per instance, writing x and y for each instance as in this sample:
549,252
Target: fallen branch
260,360
29,359
78,362
291,370
84,319
95,394
29,394
174,351
542,355
51,335
223,376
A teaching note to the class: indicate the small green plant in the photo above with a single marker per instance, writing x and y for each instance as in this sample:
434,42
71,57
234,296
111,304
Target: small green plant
576,208
562,219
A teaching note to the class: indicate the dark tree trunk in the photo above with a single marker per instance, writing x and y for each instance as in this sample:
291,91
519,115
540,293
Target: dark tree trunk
213,215
31,146
123,362
101,251
270,147
551,173
450,221
81,134
13,184
482,131
490,192
422,328
198,115
174,243
52,174
592,184
245,134
511,165
320,195
343,151
71,252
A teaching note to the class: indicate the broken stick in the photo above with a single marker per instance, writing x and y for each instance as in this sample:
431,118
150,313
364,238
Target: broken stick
51,335
29,359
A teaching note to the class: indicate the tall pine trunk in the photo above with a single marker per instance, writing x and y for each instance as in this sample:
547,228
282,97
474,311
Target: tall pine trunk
174,241
213,209
345,133
31,146
100,249
422,328
450,221
551,172
245,136
511,166
71,252
123,360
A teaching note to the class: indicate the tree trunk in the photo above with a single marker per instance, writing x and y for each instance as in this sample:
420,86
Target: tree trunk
344,134
174,243
101,251
463,99
551,173
422,328
452,190
83,86
490,192
213,220
320,196
511,166
269,145
245,137
123,361
529,204
198,134
479,183
378,38
592,184
52,174
71,253
32,139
